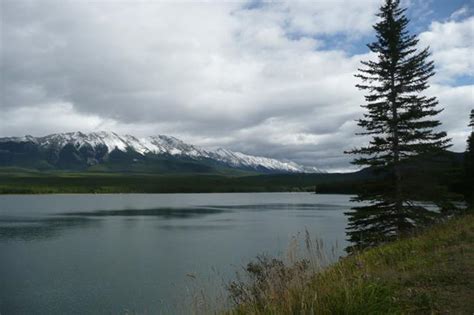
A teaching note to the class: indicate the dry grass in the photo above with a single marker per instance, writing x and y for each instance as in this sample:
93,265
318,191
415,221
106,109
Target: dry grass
432,273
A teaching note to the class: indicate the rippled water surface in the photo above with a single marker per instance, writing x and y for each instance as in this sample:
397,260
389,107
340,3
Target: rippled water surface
96,254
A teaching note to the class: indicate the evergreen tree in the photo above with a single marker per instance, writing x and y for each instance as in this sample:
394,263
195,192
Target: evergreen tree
400,121
469,162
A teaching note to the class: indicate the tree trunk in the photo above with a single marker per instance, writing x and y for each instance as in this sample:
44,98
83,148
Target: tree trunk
396,153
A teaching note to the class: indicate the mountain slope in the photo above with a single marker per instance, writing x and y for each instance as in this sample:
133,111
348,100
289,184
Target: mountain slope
110,151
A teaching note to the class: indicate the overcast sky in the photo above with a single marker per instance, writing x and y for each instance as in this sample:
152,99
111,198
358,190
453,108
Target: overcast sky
272,78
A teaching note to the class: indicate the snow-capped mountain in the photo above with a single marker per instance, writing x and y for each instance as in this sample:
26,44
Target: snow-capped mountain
96,147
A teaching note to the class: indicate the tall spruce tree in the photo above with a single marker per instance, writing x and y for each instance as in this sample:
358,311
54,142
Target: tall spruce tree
469,165
400,121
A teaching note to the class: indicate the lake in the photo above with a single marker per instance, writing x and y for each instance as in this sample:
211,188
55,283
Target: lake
145,253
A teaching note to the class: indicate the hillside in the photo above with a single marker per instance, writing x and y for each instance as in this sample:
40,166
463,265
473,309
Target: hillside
432,273
171,177
15,180
110,152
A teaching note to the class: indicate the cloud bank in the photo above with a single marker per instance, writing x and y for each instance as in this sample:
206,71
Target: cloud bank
266,78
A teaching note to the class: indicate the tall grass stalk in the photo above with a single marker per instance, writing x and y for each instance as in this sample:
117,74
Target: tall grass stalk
409,275
428,273
274,286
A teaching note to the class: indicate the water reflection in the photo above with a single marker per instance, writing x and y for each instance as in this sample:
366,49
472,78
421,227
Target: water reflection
166,213
192,227
189,212
281,206
29,229
94,257
309,215
34,228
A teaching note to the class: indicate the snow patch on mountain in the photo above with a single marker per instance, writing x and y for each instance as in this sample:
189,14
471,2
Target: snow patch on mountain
161,144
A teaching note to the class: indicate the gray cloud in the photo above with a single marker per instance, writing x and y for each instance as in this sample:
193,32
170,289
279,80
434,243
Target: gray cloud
256,79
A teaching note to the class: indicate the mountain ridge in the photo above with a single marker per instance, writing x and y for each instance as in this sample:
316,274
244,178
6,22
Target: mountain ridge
74,149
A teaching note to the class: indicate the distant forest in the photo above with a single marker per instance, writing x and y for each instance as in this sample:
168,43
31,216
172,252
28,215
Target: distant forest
447,170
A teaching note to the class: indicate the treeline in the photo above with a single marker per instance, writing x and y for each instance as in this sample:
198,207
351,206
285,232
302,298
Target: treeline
140,183
447,171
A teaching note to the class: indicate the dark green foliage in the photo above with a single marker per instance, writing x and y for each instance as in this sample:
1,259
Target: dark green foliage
161,178
30,181
469,164
266,277
400,121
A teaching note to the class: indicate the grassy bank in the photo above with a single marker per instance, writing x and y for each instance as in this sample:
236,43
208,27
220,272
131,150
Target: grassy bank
19,181
432,273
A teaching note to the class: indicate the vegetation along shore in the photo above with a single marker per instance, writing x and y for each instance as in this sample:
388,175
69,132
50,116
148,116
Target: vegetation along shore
428,273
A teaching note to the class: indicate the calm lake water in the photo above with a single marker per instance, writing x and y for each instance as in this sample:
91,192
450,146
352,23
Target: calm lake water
144,253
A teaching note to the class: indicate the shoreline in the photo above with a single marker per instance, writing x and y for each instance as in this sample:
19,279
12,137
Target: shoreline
430,272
